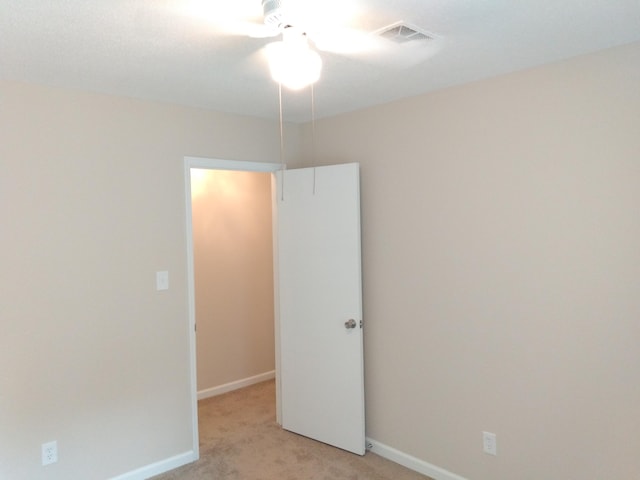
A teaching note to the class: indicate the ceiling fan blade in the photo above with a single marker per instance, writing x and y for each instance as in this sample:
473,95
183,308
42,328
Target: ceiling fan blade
244,28
236,17
345,41
219,12
315,15
404,55
373,49
261,31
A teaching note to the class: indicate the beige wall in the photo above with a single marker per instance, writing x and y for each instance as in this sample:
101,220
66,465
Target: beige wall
500,259
501,263
91,206
233,262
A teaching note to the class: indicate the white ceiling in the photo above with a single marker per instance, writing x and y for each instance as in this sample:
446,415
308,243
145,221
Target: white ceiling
181,51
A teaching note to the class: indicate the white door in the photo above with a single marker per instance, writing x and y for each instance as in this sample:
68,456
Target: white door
319,298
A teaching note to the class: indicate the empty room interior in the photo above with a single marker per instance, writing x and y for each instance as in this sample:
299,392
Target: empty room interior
499,225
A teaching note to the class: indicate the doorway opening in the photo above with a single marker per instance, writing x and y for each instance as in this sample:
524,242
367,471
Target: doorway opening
230,276
319,360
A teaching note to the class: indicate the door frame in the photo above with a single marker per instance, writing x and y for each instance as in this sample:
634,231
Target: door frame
219,164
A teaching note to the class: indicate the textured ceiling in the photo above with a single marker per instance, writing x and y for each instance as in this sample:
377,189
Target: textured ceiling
188,52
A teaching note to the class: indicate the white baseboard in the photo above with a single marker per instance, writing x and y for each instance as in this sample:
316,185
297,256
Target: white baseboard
229,387
412,463
159,467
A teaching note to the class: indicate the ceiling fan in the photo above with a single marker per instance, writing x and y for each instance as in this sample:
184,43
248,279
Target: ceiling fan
293,62
308,27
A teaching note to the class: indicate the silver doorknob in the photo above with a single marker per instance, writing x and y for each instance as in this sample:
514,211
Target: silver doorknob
351,323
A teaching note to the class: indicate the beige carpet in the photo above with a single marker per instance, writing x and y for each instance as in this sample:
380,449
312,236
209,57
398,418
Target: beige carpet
239,439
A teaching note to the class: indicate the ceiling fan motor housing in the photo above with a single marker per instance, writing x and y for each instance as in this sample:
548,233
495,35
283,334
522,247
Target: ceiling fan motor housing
273,13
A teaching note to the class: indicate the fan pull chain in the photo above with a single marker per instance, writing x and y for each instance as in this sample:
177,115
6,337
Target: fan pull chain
313,135
282,166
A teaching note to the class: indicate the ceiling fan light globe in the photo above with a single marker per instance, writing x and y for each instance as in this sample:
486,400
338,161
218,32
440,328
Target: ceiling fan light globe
294,65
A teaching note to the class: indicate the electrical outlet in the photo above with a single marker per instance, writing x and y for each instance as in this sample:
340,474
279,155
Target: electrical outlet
489,443
49,453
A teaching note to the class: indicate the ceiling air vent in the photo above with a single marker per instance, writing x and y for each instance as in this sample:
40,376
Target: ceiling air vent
401,32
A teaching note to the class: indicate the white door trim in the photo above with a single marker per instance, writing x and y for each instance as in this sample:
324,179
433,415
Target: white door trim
211,164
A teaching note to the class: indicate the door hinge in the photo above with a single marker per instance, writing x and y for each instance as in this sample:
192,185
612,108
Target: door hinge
361,323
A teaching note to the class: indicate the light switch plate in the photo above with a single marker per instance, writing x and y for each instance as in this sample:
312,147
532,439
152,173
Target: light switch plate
162,280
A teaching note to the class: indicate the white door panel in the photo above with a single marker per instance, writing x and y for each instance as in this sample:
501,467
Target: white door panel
319,289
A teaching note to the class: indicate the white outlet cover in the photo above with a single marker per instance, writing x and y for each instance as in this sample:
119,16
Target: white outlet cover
49,453
489,443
